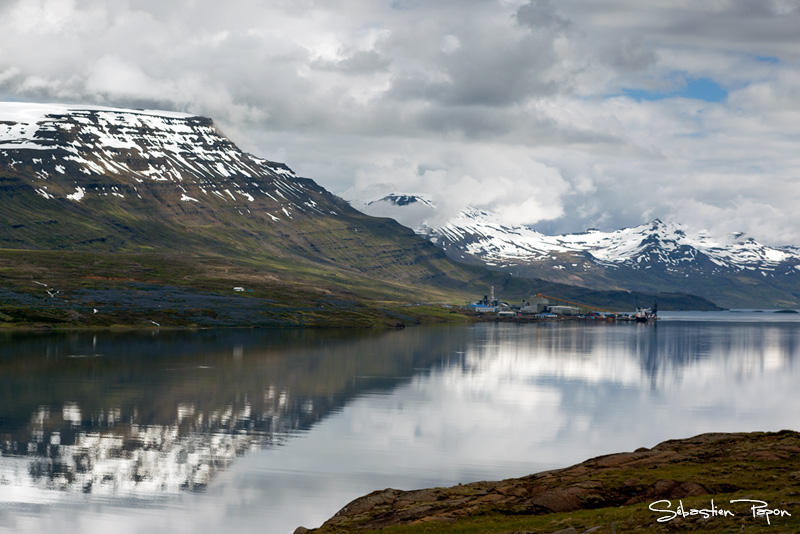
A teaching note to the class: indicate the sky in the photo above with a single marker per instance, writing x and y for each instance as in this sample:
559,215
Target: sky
559,114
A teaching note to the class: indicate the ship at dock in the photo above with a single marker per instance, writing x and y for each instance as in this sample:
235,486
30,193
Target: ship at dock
646,315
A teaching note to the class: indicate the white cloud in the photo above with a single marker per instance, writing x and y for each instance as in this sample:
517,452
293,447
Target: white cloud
519,105
502,178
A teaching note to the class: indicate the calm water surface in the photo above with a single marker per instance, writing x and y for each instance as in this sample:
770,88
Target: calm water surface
263,431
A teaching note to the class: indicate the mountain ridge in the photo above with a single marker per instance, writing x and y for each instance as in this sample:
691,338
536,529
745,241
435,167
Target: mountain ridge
733,270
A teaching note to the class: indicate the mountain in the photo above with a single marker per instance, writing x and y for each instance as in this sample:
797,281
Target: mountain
401,200
111,216
405,208
117,180
733,271
98,198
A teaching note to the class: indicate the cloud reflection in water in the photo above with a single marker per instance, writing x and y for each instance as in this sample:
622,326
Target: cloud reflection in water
357,412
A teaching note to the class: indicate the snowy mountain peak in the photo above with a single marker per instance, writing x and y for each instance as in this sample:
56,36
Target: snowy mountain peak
403,199
406,208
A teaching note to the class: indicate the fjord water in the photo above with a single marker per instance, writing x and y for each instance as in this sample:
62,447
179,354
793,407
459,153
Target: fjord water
266,430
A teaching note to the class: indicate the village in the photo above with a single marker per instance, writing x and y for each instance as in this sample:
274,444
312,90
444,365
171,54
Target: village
544,307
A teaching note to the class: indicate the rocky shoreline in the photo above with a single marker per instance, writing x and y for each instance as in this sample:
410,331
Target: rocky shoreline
607,493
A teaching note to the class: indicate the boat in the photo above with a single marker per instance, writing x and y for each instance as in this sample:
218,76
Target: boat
646,315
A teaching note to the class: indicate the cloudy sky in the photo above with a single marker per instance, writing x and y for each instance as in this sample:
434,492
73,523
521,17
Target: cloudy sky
563,114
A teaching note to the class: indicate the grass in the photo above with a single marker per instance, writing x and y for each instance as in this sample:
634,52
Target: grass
430,314
625,519
136,289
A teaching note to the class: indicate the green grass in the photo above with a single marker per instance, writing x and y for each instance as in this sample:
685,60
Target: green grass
625,519
294,293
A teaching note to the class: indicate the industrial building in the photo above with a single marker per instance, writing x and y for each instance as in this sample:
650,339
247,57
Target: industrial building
536,304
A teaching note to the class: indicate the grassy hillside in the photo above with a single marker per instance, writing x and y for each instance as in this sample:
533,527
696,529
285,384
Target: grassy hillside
143,261
609,494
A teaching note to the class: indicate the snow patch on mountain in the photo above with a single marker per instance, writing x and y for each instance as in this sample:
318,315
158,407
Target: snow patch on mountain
22,123
78,194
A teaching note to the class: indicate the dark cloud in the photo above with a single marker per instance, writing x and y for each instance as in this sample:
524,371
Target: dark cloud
763,8
491,65
541,14
629,54
507,74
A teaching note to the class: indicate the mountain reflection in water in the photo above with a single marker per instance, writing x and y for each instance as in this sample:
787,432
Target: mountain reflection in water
160,412
144,415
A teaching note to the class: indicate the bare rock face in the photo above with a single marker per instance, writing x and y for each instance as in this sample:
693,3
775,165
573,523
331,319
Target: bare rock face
614,480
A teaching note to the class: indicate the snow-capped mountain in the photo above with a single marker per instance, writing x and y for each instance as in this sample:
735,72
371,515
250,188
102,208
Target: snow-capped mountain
732,270
405,208
477,233
63,150
403,199
104,180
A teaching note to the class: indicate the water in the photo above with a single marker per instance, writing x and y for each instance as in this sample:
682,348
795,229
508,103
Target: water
263,431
